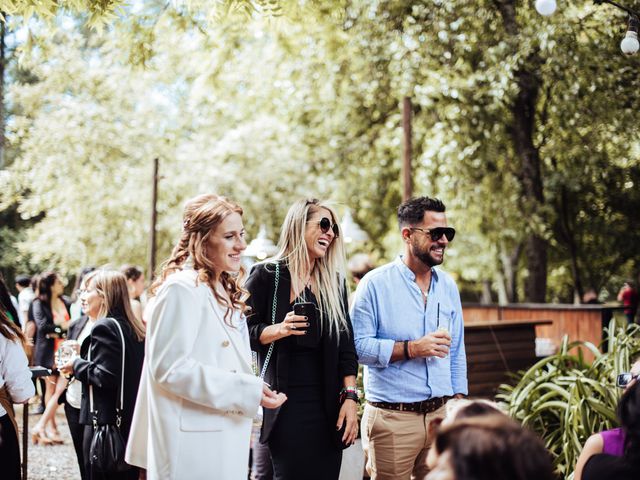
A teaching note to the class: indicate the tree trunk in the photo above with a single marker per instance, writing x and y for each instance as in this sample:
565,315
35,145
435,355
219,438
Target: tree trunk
523,111
509,272
407,185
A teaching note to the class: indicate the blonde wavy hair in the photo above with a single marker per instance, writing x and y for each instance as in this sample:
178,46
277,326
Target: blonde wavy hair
328,272
112,288
202,215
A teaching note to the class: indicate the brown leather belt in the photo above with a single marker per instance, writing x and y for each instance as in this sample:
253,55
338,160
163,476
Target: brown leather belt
425,406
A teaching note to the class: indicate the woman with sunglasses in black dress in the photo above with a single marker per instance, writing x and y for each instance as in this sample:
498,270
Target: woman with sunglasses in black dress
300,328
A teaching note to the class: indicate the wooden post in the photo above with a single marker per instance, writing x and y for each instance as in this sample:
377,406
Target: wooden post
406,154
154,219
2,69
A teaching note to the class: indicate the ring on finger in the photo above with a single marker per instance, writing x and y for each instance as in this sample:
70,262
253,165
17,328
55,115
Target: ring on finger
292,327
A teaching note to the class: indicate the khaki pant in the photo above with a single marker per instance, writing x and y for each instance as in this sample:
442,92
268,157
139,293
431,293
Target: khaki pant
396,443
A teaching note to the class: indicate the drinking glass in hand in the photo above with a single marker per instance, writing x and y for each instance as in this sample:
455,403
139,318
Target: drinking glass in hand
442,324
66,352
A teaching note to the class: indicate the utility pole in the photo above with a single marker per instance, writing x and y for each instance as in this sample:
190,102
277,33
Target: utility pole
406,153
154,220
3,30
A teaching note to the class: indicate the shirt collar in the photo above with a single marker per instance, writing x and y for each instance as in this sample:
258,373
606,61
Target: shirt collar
408,273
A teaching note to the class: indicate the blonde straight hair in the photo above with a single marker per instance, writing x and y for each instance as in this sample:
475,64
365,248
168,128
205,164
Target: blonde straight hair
112,287
328,272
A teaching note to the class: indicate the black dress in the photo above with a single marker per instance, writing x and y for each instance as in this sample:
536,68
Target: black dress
301,434
302,443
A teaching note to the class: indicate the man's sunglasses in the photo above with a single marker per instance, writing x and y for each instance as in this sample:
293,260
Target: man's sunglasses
325,225
437,233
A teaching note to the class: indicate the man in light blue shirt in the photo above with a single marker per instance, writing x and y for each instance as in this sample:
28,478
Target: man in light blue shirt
409,335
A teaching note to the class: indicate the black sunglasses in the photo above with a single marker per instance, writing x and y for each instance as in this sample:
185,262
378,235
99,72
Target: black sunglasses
325,225
437,233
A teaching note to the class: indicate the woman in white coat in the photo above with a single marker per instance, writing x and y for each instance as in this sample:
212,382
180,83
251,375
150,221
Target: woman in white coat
198,394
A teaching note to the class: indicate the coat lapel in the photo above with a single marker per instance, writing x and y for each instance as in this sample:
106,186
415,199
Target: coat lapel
240,347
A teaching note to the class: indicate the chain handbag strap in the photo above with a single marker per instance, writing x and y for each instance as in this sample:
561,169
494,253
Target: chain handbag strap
273,321
121,403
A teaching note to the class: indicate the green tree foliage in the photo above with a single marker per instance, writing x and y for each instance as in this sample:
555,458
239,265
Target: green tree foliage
307,101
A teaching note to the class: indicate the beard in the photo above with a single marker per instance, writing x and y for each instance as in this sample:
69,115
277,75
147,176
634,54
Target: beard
425,256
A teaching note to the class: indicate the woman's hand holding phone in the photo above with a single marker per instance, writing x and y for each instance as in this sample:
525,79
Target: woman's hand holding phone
293,325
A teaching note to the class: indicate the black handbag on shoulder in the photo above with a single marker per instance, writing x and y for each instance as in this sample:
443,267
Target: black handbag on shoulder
107,450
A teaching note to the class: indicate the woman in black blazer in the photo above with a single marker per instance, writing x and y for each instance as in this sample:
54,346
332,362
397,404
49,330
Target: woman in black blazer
50,312
306,435
106,298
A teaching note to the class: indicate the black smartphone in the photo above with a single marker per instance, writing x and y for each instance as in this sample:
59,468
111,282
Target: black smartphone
307,309
39,372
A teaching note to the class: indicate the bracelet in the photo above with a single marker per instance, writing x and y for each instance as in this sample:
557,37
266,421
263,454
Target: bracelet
349,393
406,350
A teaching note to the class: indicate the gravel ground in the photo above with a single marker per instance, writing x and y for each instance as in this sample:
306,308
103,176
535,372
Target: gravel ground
55,462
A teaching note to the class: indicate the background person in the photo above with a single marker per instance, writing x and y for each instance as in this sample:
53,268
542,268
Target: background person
80,330
359,265
198,393
135,284
490,447
51,315
628,295
611,442
25,297
8,303
311,268
409,335
100,361
627,467
15,387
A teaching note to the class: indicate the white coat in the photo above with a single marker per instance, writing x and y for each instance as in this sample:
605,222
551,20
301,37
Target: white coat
198,394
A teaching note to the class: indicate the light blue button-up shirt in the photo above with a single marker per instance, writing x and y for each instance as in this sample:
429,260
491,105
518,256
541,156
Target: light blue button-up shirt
389,307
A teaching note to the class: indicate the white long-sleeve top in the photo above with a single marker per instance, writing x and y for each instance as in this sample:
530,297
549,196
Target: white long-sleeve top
14,372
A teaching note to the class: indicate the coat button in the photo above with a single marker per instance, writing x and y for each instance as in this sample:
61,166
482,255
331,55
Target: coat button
233,371
225,343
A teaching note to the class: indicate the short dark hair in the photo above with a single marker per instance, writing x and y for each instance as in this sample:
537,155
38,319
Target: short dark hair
23,280
131,272
412,211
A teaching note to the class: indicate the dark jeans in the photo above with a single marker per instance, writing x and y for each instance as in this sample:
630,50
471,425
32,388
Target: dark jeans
9,450
77,433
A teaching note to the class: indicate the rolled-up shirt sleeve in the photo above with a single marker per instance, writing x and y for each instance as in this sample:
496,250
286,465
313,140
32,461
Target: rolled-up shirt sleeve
372,351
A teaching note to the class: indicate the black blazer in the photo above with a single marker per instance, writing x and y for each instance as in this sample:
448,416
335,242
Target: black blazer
43,317
340,359
105,369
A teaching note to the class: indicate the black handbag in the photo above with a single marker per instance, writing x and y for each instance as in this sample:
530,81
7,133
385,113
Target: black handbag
107,450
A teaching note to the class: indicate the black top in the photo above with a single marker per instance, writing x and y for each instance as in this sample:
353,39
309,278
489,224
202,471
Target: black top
339,358
604,466
105,369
